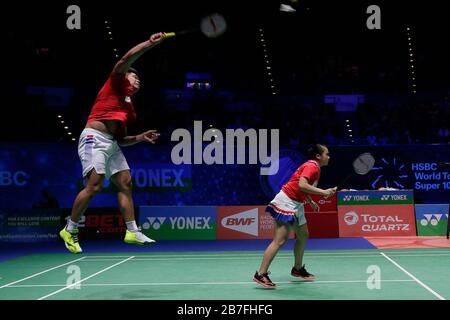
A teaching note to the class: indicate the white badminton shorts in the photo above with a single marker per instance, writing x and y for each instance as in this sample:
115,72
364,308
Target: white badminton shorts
98,150
284,209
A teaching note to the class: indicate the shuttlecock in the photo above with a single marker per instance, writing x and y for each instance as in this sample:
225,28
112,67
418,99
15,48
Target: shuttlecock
286,8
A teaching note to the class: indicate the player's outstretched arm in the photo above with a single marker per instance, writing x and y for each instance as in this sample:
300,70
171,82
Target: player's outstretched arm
307,188
134,53
148,136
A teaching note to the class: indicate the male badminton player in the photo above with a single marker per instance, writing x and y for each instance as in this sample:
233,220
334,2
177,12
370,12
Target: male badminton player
287,208
99,146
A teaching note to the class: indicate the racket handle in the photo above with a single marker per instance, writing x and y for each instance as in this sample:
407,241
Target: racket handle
169,34
335,190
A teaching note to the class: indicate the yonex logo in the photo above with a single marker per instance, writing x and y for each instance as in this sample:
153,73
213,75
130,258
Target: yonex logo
432,219
179,223
351,218
154,222
394,197
245,222
347,198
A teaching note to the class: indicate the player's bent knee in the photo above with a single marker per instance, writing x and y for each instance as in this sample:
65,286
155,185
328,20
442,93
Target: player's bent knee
94,189
280,242
303,234
126,185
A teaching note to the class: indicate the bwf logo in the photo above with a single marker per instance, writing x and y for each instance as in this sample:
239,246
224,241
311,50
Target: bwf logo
432,219
245,222
154,222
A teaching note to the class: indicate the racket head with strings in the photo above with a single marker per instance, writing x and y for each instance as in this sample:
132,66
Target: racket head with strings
212,26
364,163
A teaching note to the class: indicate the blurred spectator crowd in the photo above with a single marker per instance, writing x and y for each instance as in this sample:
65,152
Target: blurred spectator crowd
408,120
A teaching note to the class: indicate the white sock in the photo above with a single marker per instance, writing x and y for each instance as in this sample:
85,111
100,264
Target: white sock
131,226
71,225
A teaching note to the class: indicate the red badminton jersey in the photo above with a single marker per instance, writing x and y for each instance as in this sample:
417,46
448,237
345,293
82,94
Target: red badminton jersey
311,171
113,102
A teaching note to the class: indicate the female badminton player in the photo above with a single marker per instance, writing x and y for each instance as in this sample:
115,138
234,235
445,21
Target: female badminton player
99,146
287,208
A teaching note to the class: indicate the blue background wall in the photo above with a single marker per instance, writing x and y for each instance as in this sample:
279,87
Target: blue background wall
27,169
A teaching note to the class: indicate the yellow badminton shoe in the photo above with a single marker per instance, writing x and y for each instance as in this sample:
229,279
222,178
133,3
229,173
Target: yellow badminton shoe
137,238
71,240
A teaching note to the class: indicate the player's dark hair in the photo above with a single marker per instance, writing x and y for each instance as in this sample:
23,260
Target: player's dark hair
315,149
133,70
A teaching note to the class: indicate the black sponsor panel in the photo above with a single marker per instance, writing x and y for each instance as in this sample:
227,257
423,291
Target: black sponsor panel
102,223
31,225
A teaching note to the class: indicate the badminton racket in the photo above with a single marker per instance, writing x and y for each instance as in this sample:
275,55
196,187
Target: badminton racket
212,26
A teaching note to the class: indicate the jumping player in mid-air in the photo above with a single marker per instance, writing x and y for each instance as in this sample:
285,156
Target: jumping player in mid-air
98,146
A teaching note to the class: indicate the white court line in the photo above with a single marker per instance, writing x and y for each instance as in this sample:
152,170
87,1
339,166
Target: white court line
420,255
78,282
193,257
176,258
199,283
413,277
37,274
225,255
220,258
209,255
312,254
